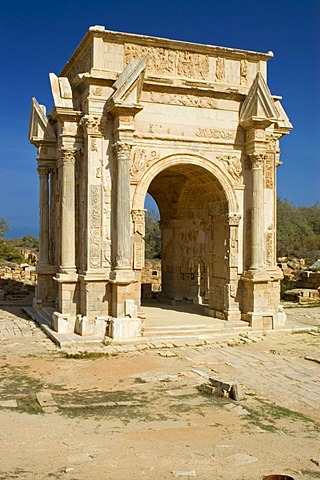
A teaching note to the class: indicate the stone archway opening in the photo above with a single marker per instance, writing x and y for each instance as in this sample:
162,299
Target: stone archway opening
193,207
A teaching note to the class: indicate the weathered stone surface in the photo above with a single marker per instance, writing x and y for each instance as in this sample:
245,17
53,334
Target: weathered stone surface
195,126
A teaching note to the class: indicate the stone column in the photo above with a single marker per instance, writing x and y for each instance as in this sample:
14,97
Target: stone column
257,213
122,222
44,216
68,212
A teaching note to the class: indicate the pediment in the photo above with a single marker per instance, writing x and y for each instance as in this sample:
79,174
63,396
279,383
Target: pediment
61,91
283,120
40,129
259,104
129,84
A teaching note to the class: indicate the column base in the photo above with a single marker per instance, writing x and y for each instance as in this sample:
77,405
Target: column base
124,328
63,322
85,326
265,320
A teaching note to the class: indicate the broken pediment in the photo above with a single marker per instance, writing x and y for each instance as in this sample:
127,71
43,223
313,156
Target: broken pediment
283,120
259,105
129,84
40,129
61,91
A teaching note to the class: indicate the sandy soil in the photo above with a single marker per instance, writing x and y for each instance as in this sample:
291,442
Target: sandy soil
141,416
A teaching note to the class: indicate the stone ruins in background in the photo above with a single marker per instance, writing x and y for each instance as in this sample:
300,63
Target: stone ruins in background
195,126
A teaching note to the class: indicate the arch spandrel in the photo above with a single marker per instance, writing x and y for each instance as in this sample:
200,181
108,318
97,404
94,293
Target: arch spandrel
179,159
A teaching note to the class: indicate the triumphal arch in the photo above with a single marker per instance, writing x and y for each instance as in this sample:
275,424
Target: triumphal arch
195,126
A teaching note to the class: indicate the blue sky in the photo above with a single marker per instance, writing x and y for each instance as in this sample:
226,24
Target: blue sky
38,37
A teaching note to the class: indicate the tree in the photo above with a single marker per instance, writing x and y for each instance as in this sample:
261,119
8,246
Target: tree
298,230
4,227
7,251
153,235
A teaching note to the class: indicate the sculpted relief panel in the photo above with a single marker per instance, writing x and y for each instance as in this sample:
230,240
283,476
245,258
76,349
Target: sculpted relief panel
176,63
142,158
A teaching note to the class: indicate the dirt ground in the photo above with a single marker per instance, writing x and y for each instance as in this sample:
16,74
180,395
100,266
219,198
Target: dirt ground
140,415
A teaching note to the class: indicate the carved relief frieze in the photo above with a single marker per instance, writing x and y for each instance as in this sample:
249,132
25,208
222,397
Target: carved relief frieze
215,134
175,63
269,171
179,99
220,70
243,72
95,226
269,246
106,260
233,166
97,91
271,143
83,64
142,158
138,255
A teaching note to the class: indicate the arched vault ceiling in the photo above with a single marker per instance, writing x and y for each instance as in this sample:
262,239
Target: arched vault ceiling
183,189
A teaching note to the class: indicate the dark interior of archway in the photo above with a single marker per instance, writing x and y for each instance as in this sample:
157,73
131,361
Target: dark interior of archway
189,197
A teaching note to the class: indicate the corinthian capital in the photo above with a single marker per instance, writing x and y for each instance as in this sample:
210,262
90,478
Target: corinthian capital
68,155
257,160
233,219
93,124
122,150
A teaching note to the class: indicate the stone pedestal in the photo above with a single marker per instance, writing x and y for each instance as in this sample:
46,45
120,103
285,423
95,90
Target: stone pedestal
261,294
124,328
63,322
85,326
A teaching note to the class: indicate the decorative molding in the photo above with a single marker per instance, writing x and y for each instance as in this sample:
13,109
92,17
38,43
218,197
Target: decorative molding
269,171
95,226
269,247
138,255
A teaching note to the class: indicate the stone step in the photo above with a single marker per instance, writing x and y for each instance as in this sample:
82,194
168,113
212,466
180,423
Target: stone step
197,330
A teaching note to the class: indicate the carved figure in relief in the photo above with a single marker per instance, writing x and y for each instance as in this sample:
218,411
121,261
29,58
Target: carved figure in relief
233,165
142,159
162,61
220,69
94,147
243,72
